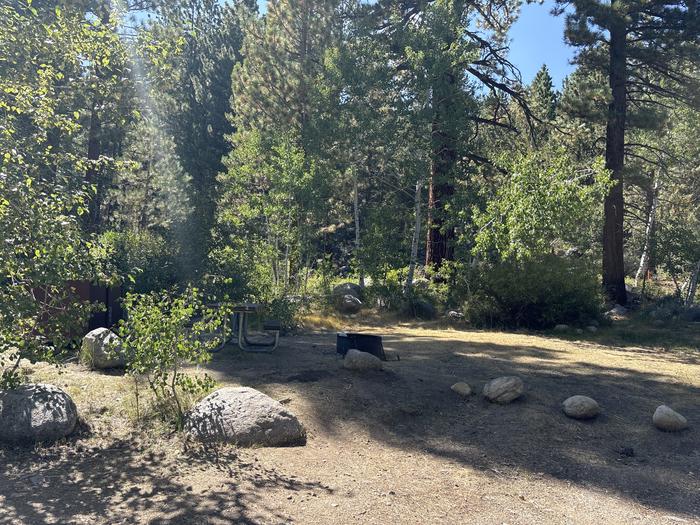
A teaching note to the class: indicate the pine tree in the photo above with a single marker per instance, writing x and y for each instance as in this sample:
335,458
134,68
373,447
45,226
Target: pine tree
151,190
376,140
542,99
276,88
645,49
195,97
446,58
279,111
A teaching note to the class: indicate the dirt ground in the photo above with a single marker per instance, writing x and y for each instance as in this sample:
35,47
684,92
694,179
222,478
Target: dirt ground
389,447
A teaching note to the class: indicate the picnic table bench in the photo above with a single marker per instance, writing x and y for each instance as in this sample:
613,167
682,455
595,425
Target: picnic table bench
239,324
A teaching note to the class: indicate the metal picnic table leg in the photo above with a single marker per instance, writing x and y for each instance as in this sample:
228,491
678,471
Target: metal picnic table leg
242,323
248,346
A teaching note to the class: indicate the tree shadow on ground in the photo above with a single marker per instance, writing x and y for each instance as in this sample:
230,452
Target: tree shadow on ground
410,407
126,483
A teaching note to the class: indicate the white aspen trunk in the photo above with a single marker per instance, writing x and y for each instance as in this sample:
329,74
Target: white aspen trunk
408,286
357,232
306,272
275,269
286,267
692,286
646,252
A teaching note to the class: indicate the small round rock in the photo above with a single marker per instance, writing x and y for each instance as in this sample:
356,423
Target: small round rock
504,389
463,389
581,407
665,418
357,360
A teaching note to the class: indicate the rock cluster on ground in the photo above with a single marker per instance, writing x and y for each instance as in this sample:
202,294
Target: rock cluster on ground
246,417
581,407
665,418
357,360
616,311
503,389
102,349
35,413
463,389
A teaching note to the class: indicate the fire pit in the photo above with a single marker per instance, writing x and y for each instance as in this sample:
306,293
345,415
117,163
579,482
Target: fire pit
364,342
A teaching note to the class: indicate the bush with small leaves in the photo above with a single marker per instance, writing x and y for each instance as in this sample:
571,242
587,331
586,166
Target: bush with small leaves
162,333
538,292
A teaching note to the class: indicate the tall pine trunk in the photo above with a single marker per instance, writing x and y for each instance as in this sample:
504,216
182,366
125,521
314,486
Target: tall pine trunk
613,255
356,210
440,234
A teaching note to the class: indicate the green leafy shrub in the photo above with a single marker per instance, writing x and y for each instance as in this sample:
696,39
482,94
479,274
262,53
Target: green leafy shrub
451,283
387,293
285,310
678,251
669,309
142,259
42,250
164,332
238,270
419,307
536,293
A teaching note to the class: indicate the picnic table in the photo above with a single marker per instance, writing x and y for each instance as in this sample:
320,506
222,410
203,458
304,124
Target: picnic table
240,320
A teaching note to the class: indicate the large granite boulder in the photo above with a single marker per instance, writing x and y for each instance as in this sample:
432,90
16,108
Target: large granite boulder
347,289
245,417
357,360
617,311
34,413
503,390
102,349
347,298
348,304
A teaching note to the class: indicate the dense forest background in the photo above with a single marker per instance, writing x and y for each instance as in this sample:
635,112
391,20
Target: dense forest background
265,156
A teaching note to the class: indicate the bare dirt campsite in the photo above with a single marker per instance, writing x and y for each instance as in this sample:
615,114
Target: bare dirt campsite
385,262
390,446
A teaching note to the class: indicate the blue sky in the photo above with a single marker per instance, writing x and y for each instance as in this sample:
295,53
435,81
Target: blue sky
537,38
